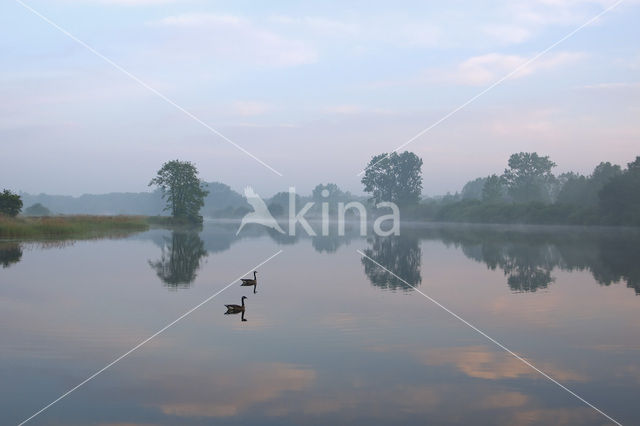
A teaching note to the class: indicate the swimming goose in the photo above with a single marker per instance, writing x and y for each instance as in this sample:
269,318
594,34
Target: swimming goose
234,309
249,281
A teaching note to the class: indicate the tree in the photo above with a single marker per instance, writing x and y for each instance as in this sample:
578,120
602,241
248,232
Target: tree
10,203
604,172
37,209
529,177
333,193
184,192
619,199
472,190
394,177
278,205
492,189
583,191
575,191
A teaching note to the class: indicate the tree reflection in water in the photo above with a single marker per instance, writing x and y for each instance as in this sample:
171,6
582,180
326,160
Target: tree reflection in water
528,258
180,259
526,255
527,266
399,254
10,253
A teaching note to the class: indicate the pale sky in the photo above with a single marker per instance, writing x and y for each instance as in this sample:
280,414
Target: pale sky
314,89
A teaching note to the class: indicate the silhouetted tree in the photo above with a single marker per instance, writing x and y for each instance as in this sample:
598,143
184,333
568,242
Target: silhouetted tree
529,177
37,209
472,190
334,193
394,177
580,190
276,209
492,191
278,204
575,191
179,183
620,197
10,203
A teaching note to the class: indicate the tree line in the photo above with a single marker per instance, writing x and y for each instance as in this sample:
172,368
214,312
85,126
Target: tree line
526,192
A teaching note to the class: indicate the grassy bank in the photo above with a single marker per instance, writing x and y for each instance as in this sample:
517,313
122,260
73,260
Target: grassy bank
77,226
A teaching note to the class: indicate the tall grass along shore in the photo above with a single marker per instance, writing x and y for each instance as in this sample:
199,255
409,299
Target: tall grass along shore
77,226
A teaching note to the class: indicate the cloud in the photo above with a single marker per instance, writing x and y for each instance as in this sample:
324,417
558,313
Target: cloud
371,31
232,38
321,25
350,109
557,12
228,393
250,108
483,363
520,21
485,69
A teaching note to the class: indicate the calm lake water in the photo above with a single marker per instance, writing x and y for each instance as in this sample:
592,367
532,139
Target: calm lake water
328,337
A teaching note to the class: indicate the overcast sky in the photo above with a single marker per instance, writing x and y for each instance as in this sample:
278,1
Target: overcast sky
313,89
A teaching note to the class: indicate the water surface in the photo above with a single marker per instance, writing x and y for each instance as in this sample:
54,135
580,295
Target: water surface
329,337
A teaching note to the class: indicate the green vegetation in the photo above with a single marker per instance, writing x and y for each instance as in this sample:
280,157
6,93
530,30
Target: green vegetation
529,193
37,210
70,226
394,177
184,192
529,178
10,203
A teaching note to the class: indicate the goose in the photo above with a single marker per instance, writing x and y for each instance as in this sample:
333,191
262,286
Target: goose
234,309
249,281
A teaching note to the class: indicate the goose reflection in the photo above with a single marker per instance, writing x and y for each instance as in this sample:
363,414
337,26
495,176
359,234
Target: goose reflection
237,309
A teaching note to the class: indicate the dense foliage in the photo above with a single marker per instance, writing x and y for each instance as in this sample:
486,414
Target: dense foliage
394,177
528,192
184,192
529,177
37,209
10,203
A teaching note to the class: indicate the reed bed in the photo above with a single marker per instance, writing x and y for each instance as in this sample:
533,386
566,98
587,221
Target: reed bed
76,226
